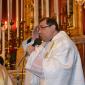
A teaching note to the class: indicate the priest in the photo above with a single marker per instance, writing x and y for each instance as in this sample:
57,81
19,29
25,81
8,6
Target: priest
56,61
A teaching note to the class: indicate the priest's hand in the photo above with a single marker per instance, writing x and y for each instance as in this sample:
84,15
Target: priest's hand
30,49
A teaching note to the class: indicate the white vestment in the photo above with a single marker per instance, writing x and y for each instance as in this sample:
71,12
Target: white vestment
25,44
4,77
60,63
28,75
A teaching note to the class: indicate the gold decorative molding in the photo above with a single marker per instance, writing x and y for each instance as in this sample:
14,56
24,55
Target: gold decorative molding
28,17
77,28
29,12
80,2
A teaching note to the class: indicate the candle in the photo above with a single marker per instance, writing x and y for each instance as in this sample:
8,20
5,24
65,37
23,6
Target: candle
0,10
42,8
47,8
35,13
68,7
17,17
0,16
21,10
10,9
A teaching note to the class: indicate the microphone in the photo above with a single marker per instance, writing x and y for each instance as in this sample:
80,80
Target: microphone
29,40
37,41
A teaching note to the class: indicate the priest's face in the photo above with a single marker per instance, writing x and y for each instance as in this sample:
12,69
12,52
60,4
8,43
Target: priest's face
46,32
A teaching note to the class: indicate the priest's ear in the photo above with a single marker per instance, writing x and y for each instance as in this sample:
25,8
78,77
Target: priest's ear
53,27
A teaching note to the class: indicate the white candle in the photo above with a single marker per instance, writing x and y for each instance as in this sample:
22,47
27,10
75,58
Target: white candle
56,10
17,17
21,10
68,7
0,16
42,8
0,10
47,8
10,9
8,6
35,13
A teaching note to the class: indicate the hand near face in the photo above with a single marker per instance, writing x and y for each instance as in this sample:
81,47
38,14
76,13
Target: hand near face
35,33
30,49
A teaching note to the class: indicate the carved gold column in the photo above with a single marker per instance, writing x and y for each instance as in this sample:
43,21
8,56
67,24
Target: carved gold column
78,16
75,28
28,17
80,21
28,11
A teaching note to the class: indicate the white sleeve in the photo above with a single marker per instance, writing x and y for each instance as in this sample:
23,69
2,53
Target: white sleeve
25,44
34,62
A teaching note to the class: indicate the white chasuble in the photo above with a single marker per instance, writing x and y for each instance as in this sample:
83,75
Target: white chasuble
60,63
4,77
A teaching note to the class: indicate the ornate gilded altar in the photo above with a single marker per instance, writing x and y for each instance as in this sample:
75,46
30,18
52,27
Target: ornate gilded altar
68,13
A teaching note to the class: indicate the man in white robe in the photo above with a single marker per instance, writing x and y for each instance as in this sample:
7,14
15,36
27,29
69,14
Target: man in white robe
25,44
57,60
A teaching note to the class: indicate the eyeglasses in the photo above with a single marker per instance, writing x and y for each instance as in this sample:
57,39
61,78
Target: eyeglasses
44,26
